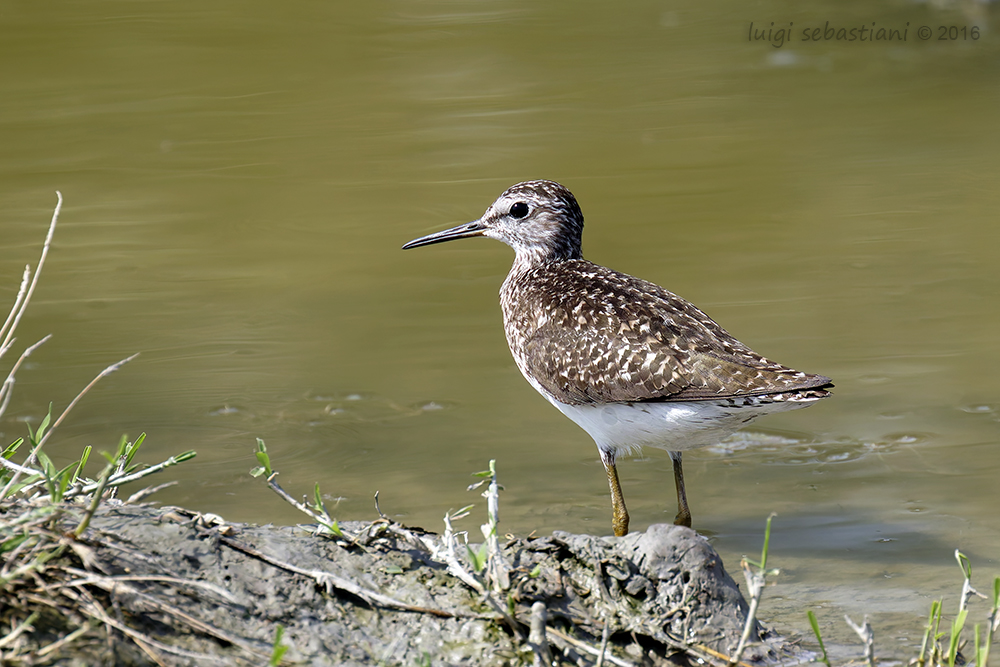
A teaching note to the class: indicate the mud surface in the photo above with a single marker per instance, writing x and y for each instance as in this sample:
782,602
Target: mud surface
181,588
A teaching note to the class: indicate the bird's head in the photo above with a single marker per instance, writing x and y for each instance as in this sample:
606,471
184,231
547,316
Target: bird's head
540,220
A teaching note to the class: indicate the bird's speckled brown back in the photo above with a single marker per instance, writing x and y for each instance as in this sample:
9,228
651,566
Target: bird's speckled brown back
588,334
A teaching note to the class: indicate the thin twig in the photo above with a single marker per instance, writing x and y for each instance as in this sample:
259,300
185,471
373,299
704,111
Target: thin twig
94,502
10,465
12,636
380,514
13,310
711,652
148,650
56,645
38,271
92,578
115,480
330,581
755,585
8,385
867,635
107,371
142,494
115,585
31,457
605,636
326,522
537,641
95,611
587,648
496,567
450,558
120,479
12,556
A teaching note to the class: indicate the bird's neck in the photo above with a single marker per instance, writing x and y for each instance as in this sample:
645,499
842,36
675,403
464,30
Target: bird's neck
528,259
525,276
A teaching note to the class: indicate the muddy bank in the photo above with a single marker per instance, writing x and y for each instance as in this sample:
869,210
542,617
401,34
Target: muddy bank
148,585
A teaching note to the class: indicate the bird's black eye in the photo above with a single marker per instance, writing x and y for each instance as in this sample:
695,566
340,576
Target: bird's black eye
519,210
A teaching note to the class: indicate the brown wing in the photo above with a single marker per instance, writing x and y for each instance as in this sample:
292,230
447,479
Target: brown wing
603,336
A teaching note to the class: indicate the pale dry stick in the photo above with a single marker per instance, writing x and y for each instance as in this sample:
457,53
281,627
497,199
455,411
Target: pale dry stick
142,494
496,570
107,371
867,636
10,465
12,636
27,522
96,612
119,479
685,599
115,586
587,648
31,457
150,653
10,558
450,558
496,566
425,542
87,578
302,507
95,500
116,480
32,565
706,652
38,271
755,585
13,309
56,645
537,641
605,636
332,581
609,613
8,385
967,590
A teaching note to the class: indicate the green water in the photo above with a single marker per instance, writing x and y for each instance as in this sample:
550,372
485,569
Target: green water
239,178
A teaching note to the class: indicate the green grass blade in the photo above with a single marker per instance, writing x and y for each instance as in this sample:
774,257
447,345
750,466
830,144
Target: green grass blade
82,463
277,648
956,636
767,541
40,431
318,503
928,631
815,627
12,448
132,449
49,470
263,459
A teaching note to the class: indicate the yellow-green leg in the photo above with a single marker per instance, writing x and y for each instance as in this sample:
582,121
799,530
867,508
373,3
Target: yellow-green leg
683,517
619,513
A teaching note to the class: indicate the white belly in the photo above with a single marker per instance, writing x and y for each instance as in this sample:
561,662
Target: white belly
679,426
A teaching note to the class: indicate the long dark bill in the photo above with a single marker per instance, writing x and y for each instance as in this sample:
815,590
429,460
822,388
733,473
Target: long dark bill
468,230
